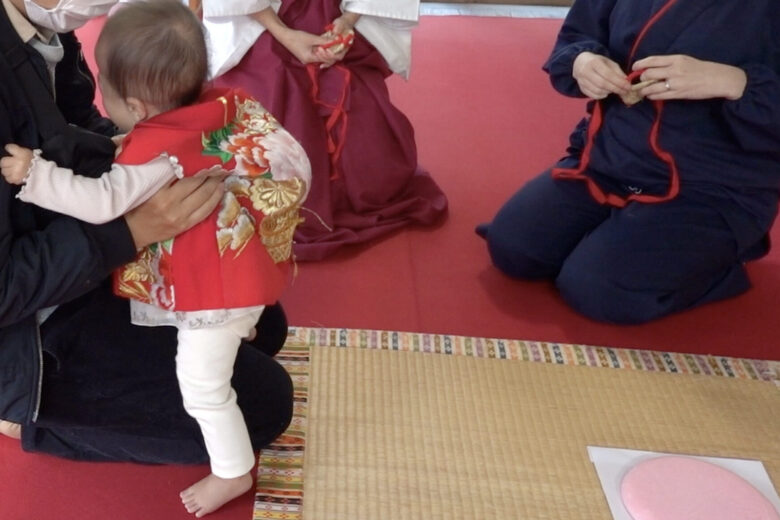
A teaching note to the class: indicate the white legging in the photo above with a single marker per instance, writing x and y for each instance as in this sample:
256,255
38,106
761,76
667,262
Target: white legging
204,367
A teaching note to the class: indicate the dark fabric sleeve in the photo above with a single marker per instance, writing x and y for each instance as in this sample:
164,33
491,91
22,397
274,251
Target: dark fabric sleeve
586,28
55,264
75,87
43,266
754,118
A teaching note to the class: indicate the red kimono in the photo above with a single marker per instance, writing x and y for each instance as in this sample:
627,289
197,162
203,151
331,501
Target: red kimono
239,256
366,179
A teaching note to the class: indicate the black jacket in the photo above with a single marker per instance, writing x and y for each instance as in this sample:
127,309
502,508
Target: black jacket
47,259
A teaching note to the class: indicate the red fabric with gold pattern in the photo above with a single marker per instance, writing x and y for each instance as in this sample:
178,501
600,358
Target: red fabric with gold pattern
197,270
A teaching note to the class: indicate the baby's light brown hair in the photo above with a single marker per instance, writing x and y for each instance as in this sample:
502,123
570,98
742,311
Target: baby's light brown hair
154,51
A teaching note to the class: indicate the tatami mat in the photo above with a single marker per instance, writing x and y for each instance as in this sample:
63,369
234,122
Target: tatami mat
393,429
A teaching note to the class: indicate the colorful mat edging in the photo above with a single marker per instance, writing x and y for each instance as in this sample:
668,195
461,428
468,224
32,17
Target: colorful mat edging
279,491
557,353
279,488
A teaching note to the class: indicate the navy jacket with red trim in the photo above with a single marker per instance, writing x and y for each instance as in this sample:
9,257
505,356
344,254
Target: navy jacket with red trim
727,150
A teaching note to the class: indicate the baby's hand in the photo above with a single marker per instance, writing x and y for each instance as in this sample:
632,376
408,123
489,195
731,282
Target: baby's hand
16,166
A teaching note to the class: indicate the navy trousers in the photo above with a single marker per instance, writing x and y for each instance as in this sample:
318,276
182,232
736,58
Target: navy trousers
109,389
628,265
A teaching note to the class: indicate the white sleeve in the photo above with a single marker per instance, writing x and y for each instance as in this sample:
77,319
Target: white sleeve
230,32
388,24
221,8
67,15
395,12
95,200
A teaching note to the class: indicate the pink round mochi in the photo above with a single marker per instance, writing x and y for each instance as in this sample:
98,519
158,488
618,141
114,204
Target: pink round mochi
684,488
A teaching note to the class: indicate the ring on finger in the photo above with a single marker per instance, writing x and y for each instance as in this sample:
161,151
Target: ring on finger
667,85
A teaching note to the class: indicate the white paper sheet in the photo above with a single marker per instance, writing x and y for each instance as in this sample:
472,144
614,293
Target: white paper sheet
613,463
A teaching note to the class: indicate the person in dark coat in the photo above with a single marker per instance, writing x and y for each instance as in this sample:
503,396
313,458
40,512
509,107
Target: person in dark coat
77,379
670,184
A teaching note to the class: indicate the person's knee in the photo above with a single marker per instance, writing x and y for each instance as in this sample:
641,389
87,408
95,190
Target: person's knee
508,256
279,379
597,295
272,413
271,330
284,408
528,238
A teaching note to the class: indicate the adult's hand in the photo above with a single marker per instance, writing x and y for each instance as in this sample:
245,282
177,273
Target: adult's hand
343,26
174,209
301,44
683,77
598,76
345,23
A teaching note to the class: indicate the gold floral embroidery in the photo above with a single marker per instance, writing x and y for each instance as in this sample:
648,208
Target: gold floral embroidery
136,277
254,118
270,196
224,102
243,231
238,185
229,211
276,231
281,203
235,226
278,200
224,238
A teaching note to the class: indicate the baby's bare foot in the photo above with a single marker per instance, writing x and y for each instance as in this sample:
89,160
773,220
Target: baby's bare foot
11,429
212,492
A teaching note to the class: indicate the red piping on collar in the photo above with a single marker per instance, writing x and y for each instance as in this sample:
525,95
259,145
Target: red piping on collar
595,124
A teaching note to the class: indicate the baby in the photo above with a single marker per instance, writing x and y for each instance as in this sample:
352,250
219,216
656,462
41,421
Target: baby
213,281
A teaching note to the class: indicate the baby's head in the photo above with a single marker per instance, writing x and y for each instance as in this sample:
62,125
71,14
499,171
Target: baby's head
151,57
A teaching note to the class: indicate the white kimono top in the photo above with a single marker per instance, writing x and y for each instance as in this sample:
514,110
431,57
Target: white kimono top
386,24
231,33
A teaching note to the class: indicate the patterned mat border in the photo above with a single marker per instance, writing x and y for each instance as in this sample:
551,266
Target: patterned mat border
557,353
279,492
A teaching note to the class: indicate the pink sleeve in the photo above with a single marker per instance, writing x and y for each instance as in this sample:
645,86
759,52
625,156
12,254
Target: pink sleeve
97,200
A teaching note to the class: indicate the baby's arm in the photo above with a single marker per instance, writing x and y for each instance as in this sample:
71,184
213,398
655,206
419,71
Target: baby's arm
92,200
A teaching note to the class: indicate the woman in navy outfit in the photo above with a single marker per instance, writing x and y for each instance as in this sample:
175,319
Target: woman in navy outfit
658,203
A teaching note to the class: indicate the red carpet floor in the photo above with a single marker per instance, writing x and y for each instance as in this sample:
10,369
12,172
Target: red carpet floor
486,122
